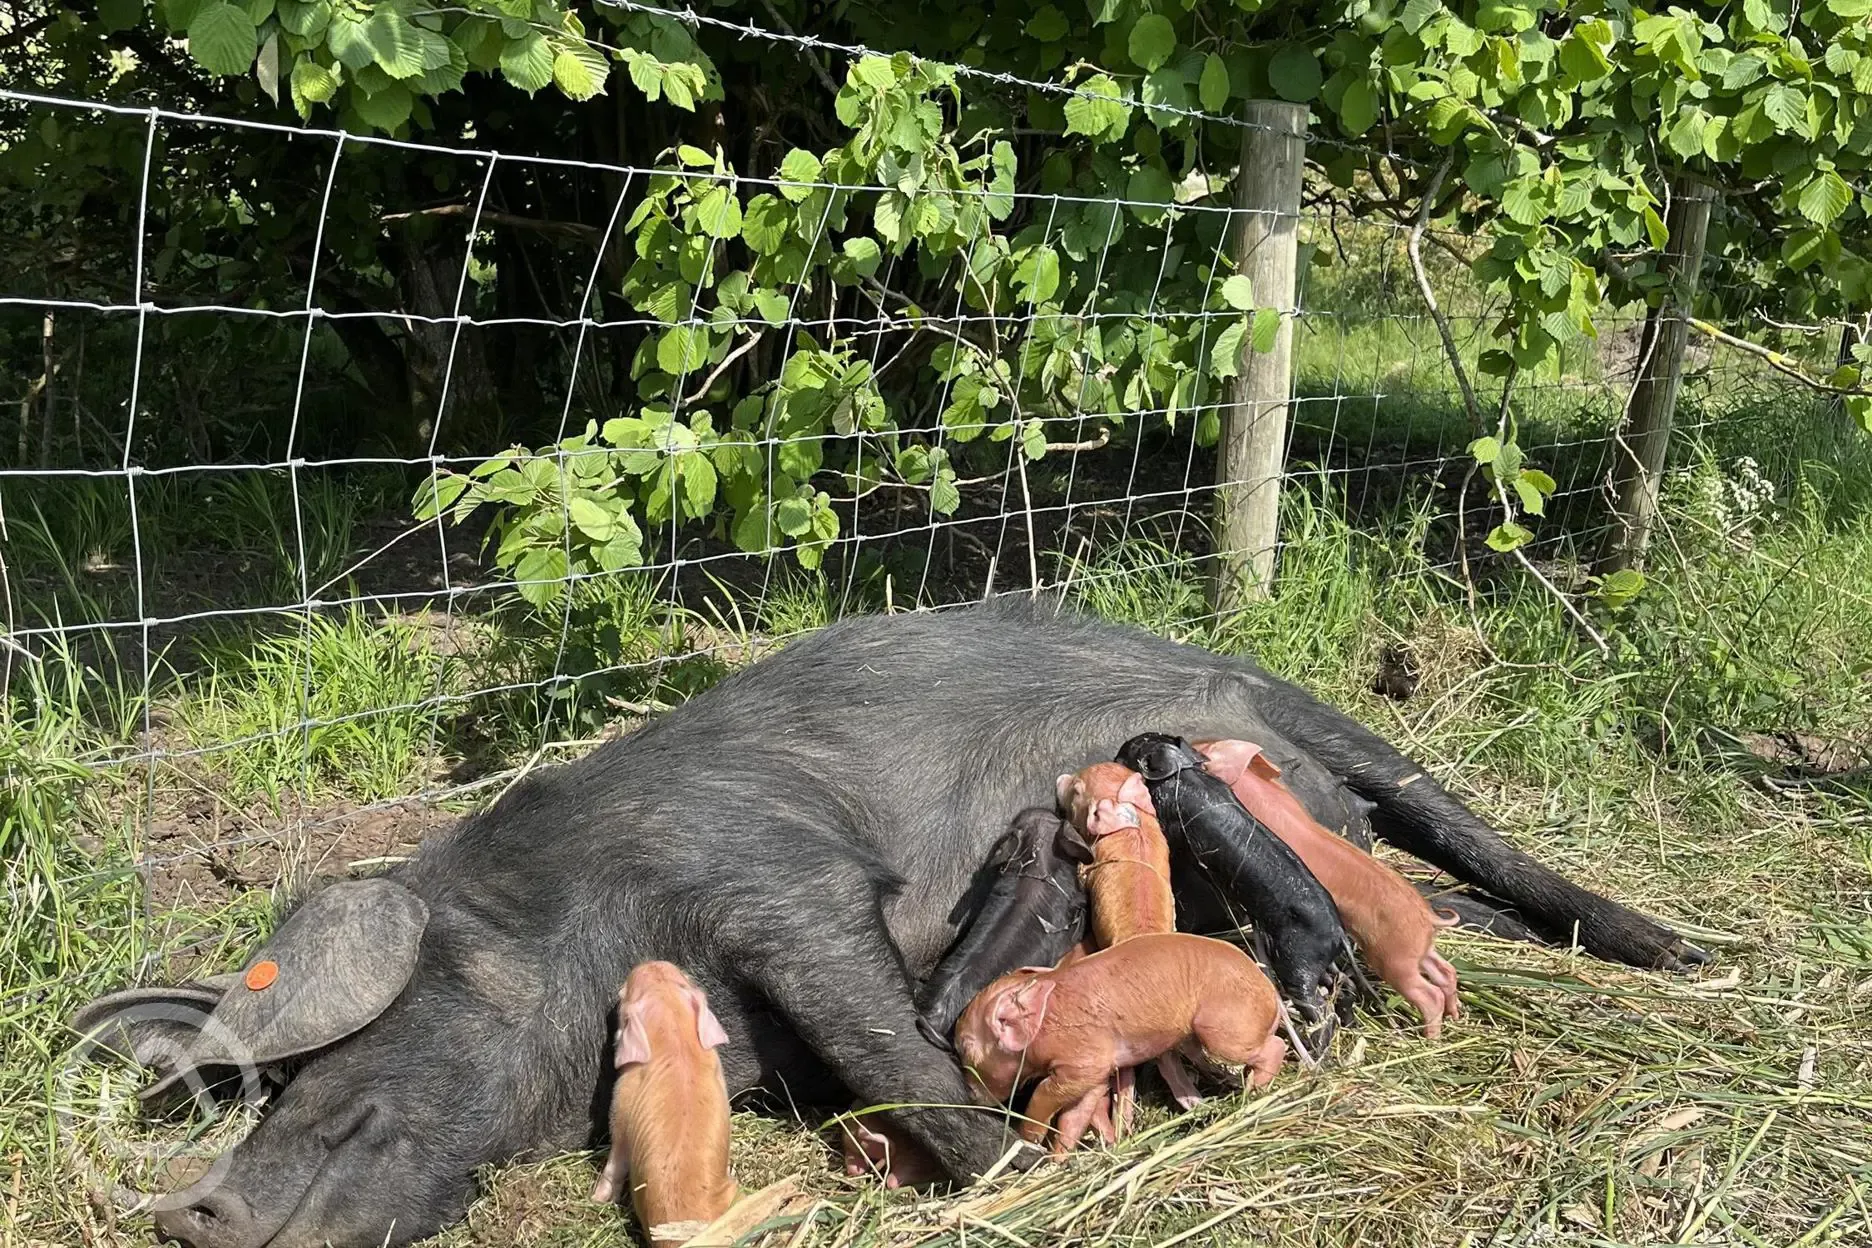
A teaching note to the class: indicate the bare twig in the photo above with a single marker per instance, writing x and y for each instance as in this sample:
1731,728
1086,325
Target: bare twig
1414,246
819,70
730,358
1776,360
572,229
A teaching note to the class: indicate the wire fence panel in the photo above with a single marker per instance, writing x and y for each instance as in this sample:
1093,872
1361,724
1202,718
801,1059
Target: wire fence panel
212,556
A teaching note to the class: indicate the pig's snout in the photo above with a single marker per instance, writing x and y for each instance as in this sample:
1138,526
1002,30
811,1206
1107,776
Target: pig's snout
218,1218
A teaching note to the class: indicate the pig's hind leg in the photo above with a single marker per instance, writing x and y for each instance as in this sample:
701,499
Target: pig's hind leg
1419,816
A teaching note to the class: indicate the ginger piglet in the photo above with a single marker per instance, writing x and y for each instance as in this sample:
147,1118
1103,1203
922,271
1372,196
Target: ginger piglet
1389,921
1128,880
1127,888
669,1110
1075,1027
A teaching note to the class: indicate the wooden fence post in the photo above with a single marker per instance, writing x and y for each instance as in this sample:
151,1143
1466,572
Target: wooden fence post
1249,454
1642,444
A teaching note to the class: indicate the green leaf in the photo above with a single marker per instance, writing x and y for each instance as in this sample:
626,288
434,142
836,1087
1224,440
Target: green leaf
1049,25
1539,480
1034,440
875,71
1531,500
1495,363
1786,106
1859,407
698,479
624,550
527,62
580,72
312,84
1153,41
1225,355
1098,112
864,253
438,494
1686,137
773,306
888,216
1238,292
1583,59
1485,450
1620,588
945,498
1213,87
393,43
765,224
1149,185
1825,197
798,166
718,212
1742,70
222,39
1038,275
1267,323
1358,107
267,66
591,518
305,18
386,109
541,574
1521,200
682,349
1508,536
1294,73
1654,228
1417,14
794,516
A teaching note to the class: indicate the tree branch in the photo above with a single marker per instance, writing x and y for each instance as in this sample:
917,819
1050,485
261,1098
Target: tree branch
1777,361
570,229
819,70
1414,245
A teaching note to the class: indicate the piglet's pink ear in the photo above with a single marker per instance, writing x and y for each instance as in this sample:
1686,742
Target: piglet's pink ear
708,1027
1018,1015
1134,791
633,1042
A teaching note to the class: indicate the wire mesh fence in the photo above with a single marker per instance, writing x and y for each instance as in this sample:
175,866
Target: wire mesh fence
211,555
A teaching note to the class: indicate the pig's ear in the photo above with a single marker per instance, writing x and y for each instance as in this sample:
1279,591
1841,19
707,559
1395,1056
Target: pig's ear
1018,1015
334,964
1136,792
1070,844
1063,791
633,1042
708,1027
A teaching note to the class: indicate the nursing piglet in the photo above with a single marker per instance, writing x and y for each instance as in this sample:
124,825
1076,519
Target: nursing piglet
1388,920
1076,1026
1128,888
669,1110
1128,881
1034,914
1295,919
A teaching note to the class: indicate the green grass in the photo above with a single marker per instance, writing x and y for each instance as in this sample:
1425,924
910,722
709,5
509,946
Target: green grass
1574,1102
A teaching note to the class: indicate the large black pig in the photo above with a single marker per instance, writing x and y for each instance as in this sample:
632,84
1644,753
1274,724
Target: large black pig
798,840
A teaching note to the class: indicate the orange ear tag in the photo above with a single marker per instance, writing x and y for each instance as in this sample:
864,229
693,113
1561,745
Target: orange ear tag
261,975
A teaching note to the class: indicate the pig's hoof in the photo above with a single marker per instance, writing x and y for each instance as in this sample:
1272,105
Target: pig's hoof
1682,956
